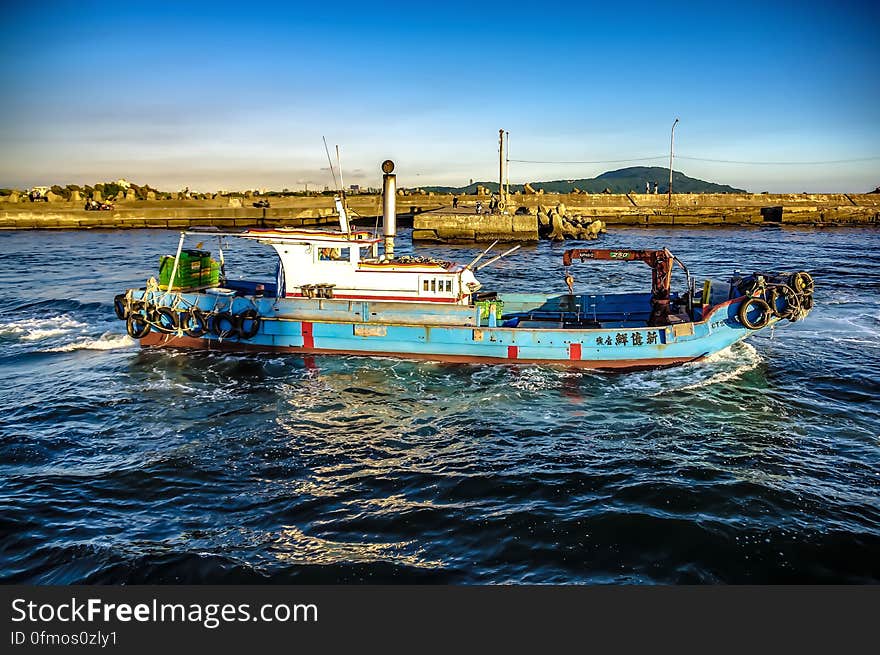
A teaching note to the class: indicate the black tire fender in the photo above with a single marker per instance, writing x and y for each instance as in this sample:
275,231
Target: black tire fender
248,315
758,303
120,307
137,326
802,283
193,322
166,319
217,325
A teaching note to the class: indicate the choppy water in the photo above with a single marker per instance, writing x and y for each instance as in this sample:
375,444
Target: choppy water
125,466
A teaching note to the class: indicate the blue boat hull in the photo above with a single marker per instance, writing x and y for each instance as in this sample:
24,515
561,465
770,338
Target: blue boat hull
459,334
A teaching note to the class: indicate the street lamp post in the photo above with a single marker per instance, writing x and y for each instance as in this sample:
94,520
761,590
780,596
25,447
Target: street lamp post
671,146
507,171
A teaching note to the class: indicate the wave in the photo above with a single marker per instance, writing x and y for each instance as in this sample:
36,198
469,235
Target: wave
535,379
724,366
36,329
107,341
59,304
750,359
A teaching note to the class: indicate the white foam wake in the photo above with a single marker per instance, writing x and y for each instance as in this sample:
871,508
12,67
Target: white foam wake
36,329
743,356
107,341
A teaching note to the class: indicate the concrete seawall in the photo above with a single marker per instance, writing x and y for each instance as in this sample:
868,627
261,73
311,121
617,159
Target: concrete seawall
654,210
290,212
455,226
434,220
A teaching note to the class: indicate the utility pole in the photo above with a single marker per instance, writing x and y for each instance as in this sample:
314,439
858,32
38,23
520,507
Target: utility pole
501,165
507,170
671,147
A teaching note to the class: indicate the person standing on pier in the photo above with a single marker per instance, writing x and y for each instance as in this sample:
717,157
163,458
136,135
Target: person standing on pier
454,202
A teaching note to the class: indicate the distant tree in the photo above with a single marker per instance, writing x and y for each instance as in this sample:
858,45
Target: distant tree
110,189
61,191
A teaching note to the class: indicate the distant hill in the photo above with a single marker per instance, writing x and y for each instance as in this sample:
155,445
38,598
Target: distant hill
622,180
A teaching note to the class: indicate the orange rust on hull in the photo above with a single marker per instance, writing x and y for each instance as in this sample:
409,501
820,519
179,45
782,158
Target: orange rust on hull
157,340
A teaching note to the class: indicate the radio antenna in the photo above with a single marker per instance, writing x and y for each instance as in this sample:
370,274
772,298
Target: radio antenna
481,255
330,161
339,166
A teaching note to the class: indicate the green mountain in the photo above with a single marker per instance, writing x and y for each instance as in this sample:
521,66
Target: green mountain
623,180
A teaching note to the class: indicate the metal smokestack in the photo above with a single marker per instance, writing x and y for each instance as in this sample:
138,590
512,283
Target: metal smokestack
389,207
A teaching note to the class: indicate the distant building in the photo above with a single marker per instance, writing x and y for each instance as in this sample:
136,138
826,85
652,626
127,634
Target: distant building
123,183
355,188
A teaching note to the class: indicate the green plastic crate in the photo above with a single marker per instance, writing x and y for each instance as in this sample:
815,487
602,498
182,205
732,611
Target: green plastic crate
189,272
483,306
210,275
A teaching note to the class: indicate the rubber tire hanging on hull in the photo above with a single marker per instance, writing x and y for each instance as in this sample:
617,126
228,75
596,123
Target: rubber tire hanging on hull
119,307
763,319
216,324
248,315
802,282
137,326
172,317
789,297
193,323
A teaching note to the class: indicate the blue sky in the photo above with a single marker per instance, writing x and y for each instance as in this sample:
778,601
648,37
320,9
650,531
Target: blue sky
239,95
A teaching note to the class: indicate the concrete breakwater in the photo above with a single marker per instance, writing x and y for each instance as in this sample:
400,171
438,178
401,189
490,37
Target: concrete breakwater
433,218
647,210
296,211
293,212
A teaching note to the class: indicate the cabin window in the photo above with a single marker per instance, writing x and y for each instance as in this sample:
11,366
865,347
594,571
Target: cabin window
333,254
426,285
448,286
433,285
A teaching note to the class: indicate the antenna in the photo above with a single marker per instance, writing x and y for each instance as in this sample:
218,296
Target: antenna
339,199
482,254
339,166
497,257
330,161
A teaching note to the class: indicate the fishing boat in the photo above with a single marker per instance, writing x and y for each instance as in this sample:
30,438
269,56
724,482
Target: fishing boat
344,292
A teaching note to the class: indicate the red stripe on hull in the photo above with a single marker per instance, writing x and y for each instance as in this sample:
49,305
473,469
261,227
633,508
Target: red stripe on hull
308,335
574,351
342,296
155,339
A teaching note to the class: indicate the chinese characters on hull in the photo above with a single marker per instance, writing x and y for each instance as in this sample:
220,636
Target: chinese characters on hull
629,338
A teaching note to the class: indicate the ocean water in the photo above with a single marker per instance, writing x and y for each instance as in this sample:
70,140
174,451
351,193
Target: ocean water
122,465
